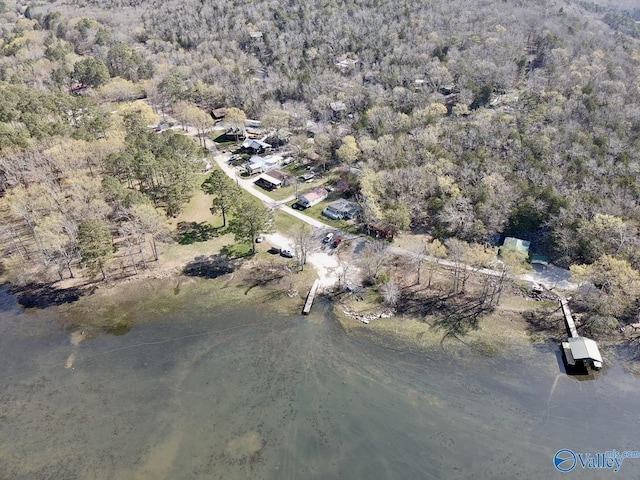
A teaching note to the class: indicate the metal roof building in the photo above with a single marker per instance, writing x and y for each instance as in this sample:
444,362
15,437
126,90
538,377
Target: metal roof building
517,245
581,349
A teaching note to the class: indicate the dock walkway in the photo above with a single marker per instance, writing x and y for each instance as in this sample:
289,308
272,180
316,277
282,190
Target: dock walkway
312,295
577,349
568,318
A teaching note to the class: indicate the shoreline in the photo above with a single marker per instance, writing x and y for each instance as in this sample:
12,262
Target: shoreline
504,330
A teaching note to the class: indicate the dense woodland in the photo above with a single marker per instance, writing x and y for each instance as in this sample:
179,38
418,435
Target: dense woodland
472,120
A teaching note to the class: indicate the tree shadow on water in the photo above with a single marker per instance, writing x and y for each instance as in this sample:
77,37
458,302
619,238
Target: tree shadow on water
462,320
43,295
212,266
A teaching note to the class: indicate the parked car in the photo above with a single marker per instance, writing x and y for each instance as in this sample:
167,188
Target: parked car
328,238
285,252
260,239
336,243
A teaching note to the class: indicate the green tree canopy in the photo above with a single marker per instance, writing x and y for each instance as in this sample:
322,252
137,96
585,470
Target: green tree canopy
91,72
94,244
123,61
349,151
617,286
224,192
250,217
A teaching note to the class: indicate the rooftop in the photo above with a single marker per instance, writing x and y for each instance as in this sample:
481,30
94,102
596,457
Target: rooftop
315,194
266,179
343,205
517,245
255,144
584,349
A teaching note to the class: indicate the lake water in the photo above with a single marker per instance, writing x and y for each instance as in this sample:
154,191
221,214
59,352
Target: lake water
201,391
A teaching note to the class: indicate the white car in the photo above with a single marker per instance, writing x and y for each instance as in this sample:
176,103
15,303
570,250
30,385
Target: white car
285,252
328,238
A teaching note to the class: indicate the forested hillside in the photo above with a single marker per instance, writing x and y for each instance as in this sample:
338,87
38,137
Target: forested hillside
474,120
469,119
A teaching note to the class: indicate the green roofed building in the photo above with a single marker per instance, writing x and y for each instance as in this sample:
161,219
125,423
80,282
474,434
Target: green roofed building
517,245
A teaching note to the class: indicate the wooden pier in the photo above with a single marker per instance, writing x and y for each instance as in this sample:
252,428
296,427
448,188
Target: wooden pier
577,349
568,319
312,295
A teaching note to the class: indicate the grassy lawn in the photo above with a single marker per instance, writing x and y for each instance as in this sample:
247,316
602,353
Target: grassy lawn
197,210
283,222
316,212
224,142
176,252
407,240
288,191
281,193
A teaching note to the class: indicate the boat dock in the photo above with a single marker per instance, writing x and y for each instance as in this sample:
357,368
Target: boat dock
312,295
577,349
568,319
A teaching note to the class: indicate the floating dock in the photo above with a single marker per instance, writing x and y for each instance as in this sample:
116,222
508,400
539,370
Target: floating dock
312,295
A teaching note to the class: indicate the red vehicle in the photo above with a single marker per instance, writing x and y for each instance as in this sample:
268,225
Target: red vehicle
336,243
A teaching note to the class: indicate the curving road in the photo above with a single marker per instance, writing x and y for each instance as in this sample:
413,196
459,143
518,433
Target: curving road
550,277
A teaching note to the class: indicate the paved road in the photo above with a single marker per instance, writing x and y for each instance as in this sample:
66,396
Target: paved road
222,160
550,277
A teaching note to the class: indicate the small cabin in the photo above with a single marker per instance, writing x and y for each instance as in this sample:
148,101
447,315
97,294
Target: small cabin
273,180
218,114
258,164
516,245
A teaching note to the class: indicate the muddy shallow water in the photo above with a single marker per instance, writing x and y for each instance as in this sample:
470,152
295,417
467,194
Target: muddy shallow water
203,389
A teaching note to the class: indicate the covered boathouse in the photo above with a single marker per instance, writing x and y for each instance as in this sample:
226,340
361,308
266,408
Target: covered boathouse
582,350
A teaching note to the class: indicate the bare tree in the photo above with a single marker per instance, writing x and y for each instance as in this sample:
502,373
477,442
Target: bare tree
302,238
429,253
457,250
343,272
374,257
391,293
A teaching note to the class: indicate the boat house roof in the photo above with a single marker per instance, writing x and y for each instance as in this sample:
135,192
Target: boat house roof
584,349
